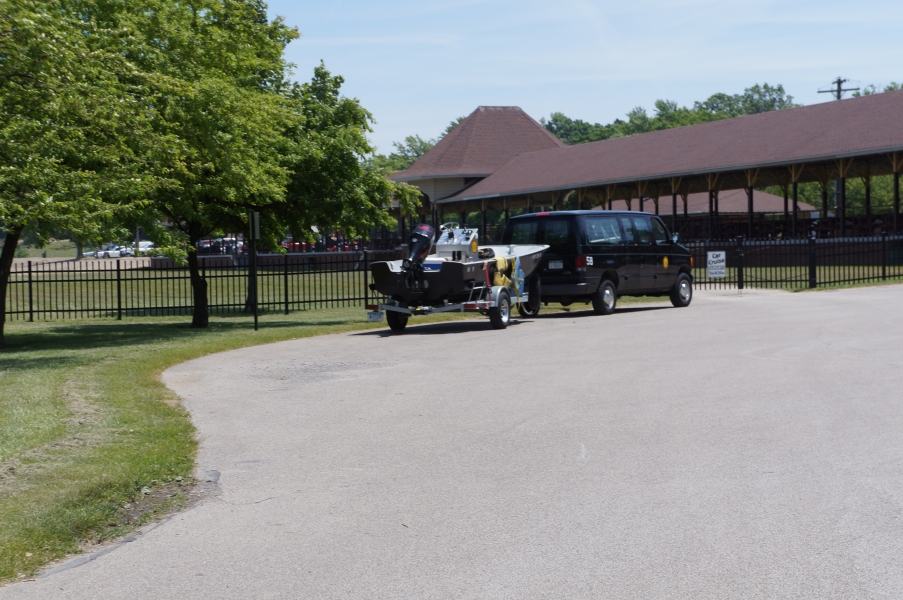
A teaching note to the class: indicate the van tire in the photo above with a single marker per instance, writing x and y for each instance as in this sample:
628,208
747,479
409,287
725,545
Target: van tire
396,320
500,315
531,308
605,298
682,292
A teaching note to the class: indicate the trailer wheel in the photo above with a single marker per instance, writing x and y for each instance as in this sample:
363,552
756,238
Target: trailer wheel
396,320
501,314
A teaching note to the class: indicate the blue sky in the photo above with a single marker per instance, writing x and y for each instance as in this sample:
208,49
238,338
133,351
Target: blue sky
416,65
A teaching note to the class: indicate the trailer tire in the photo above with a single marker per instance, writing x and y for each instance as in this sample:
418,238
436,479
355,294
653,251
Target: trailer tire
396,320
500,315
605,298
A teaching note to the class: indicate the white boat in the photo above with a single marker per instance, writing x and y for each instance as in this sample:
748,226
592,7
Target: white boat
460,276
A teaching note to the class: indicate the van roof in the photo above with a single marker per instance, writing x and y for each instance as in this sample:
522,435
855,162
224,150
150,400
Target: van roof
559,213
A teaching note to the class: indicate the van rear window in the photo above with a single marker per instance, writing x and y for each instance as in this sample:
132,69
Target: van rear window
524,232
559,235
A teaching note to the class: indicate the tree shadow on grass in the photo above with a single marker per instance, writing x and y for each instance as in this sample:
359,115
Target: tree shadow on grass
126,336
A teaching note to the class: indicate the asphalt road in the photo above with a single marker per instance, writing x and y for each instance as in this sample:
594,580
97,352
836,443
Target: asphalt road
745,447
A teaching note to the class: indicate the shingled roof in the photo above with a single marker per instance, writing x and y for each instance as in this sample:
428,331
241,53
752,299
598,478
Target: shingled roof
851,128
487,139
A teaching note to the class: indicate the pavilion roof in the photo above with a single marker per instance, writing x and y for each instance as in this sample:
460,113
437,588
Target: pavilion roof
486,140
814,137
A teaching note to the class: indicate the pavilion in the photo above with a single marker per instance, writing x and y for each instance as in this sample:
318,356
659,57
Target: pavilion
499,158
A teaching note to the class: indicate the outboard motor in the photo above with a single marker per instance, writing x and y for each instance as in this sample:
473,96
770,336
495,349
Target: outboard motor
420,242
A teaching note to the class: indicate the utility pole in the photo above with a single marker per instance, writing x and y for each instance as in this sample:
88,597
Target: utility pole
837,90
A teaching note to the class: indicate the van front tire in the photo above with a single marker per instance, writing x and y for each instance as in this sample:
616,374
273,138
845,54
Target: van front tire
682,292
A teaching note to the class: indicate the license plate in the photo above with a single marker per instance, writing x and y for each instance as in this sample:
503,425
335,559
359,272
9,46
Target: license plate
375,316
556,264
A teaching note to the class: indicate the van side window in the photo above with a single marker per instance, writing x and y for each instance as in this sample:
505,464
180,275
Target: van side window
524,233
629,233
643,231
659,232
603,231
558,235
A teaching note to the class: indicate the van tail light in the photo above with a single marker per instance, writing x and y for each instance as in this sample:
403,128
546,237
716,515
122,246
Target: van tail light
542,214
580,263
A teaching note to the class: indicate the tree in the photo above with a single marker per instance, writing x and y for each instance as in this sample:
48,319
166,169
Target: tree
330,185
73,134
668,114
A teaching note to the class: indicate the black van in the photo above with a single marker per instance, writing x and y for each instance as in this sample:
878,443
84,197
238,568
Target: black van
597,255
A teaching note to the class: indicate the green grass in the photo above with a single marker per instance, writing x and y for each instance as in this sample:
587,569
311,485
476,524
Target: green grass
58,249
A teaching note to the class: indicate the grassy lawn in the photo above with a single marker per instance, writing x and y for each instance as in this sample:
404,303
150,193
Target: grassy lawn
58,249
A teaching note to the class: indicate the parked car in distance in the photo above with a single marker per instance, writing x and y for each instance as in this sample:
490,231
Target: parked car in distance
144,248
595,256
109,251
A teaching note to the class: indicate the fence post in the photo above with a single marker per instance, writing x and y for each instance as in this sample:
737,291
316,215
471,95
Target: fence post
30,296
285,281
118,291
366,283
739,262
883,255
813,282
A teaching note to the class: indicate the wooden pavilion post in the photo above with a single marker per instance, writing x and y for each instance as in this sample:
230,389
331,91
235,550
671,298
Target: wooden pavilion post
796,171
464,218
485,223
675,184
843,165
711,180
641,191
507,212
751,176
897,164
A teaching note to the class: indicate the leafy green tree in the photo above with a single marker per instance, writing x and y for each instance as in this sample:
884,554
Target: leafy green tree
330,186
668,114
74,136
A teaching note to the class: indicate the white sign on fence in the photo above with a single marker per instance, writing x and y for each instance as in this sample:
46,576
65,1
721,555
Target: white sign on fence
716,265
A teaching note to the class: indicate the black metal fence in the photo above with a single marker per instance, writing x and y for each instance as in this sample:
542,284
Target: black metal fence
800,263
156,287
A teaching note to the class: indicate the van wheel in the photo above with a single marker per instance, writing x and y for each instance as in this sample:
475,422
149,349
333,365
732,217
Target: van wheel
531,308
682,292
605,298
396,320
501,314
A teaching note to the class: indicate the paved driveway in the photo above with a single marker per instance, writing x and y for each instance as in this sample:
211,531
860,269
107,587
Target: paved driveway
746,447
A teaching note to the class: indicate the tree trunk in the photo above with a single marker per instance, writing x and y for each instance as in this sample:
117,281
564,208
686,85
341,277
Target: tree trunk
79,250
199,316
6,266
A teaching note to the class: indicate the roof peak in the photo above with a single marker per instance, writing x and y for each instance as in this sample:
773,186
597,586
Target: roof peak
484,141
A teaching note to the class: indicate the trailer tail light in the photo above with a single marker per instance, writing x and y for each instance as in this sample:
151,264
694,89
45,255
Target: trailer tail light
691,261
580,263
373,307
